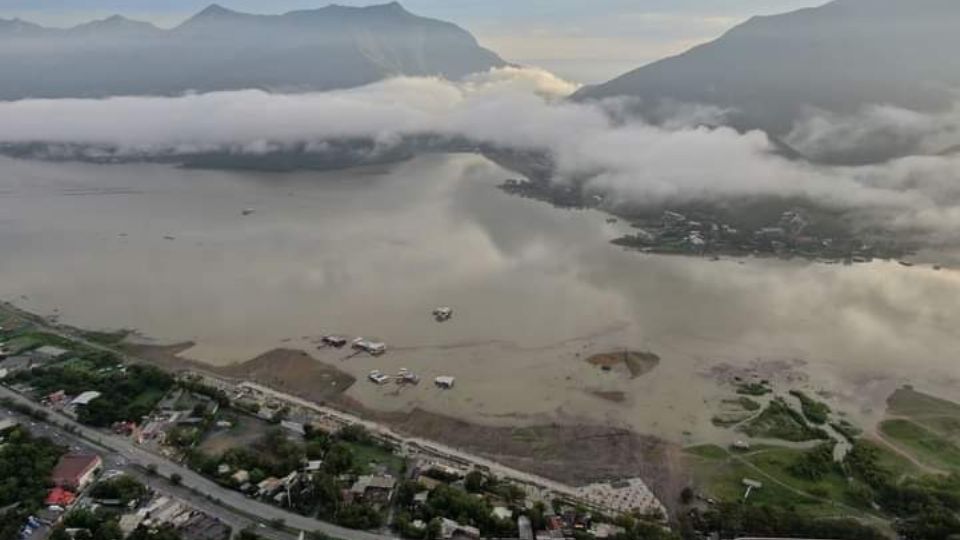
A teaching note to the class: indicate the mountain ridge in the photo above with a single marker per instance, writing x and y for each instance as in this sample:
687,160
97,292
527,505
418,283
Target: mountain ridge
217,48
771,71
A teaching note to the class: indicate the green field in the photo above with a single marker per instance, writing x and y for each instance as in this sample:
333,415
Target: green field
926,445
370,455
814,411
889,460
908,402
720,475
779,421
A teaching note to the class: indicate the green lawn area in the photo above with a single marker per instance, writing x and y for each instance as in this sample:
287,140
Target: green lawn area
776,462
105,338
31,340
707,451
908,402
925,445
21,344
368,455
721,477
148,398
892,461
947,426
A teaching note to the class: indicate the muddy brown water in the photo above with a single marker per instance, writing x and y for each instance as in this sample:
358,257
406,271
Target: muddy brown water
535,291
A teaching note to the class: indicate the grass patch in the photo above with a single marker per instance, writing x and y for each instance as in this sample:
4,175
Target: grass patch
104,337
947,426
370,455
753,389
148,399
707,451
729,419
925,445
891,461
722,479
39,339
849,431
780,421
908,402
815,411
743,402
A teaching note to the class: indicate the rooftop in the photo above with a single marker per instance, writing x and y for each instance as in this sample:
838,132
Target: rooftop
72,467
85,398
50,351
60,497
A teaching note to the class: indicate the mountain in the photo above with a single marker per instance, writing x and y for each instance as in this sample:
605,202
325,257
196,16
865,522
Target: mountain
220,49
837,57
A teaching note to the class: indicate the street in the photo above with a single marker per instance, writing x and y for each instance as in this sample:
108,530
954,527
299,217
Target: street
220,499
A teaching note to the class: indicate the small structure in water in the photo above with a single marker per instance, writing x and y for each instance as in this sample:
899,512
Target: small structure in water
445,382
374,348
442,314
405,376
378,377
247,211
334,341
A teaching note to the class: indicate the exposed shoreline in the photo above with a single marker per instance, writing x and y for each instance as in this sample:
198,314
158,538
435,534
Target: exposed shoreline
573,453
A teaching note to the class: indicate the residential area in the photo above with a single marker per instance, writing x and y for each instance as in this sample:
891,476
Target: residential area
282,451
69,491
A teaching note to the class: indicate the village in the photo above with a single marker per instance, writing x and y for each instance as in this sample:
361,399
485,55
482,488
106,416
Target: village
732,229
87,494
301,456
793,234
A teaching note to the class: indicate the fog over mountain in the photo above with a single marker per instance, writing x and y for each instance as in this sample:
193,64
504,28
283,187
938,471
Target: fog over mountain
687,155
869,60
219,49
509,108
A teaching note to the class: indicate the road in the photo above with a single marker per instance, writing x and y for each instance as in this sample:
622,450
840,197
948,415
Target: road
192,481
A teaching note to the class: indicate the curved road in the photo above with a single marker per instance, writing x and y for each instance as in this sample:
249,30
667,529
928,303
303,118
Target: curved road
202,485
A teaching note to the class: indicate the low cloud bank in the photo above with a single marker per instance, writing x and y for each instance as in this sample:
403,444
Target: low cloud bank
876,131
681,159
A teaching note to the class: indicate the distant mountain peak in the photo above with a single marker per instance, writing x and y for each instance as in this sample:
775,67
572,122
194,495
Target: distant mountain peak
17,25
115,23
215,10
391,6
771,71
221,49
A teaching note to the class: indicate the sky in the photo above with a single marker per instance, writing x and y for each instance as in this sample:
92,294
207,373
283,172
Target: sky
588,41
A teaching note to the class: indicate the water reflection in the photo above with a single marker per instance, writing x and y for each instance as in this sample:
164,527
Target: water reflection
372,251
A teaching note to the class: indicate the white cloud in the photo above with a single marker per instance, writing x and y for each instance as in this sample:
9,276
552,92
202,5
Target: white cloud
511,107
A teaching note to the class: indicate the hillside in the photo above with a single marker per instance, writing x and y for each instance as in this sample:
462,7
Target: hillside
837,57
219,49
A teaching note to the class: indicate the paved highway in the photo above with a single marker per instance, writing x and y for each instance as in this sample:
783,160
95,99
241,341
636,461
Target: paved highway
193,481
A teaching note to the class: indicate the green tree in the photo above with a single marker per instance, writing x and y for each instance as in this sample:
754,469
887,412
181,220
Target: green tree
474,481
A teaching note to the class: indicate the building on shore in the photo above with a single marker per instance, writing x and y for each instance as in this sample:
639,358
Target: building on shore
76,471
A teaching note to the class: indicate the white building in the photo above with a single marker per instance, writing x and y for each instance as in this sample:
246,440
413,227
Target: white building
85,398
445,381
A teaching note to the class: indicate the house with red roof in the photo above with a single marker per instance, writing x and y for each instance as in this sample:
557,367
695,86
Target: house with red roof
75,471
60,497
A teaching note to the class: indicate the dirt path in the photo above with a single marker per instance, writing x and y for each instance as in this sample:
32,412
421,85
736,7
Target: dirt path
880,439
854,511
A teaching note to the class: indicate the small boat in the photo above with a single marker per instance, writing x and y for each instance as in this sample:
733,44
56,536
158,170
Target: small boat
334,341
442,314
378,377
